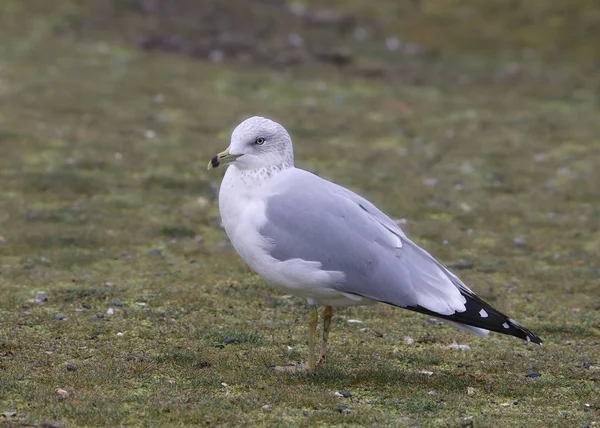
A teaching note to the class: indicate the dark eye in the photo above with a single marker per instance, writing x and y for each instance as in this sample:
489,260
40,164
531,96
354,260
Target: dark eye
260,141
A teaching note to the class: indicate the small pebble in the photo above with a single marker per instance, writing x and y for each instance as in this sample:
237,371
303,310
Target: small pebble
9,414
229,340
142,304
587,365
216,55
392,43
342,409
116,303
461,347
86,305
430,182
520,241
119,334
432,393
531,373
110,311
70,367
62,394
41,297
266,407
345,393
59,317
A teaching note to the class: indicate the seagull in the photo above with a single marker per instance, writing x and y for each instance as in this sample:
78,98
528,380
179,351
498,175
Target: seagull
322,242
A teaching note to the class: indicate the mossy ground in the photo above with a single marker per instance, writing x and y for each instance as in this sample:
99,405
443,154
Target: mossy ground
491,156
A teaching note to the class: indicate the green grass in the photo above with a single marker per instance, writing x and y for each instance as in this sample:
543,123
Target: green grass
105,203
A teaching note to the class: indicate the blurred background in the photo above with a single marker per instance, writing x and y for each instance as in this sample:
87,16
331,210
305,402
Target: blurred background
474,124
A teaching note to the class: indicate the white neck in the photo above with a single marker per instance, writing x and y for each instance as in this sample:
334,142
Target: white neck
239,188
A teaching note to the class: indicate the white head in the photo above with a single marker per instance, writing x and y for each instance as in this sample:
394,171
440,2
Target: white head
256,143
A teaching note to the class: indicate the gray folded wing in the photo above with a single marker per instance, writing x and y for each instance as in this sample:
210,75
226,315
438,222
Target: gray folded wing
311,219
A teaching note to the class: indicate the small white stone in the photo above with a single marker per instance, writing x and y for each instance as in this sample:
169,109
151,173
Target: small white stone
216,55
426,373
142,304
110,311
466,207
224,384
295,40
119,334
466,168
409,340
392,43
266,407
461,347
150,134
337,394
355,322
430,182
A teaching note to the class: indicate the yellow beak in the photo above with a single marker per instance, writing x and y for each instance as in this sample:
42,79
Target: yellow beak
223,157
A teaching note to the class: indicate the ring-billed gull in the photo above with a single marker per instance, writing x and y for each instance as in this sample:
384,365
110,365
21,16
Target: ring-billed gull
320,241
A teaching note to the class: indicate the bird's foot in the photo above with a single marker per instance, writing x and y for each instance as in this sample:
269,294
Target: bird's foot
322,362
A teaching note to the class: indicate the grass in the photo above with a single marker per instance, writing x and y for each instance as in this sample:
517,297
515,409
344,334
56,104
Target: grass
492,157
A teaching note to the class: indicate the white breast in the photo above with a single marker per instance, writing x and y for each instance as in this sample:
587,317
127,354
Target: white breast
243,211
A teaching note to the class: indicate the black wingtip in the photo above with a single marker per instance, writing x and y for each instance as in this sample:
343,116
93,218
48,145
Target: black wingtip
480,314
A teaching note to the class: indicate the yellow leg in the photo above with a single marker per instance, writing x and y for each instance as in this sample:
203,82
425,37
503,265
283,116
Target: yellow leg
312,335
327,314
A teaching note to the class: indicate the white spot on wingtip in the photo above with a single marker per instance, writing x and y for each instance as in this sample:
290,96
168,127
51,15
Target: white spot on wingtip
505,325
483,313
